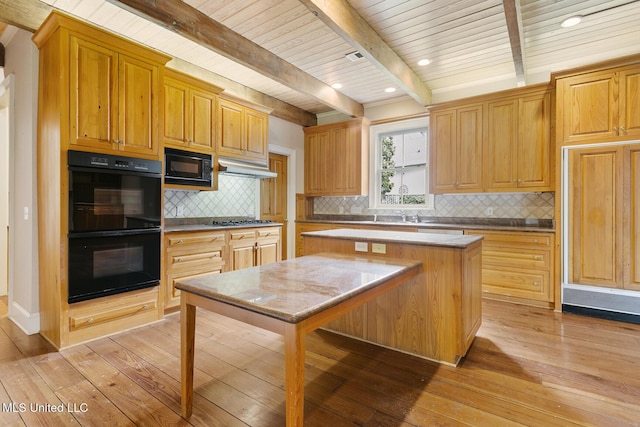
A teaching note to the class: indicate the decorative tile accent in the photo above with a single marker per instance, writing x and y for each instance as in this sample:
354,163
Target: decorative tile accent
236,197
504,205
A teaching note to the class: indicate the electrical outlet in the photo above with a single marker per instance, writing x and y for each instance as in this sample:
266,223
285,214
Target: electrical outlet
489,211
362,247
179,211
378,248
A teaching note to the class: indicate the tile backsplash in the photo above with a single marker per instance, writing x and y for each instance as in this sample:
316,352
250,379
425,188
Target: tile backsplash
236,197
489,205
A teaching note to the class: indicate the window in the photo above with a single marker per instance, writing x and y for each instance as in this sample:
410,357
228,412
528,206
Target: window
400,175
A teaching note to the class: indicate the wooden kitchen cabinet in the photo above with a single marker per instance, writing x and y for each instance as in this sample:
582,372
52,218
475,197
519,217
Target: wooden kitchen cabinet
96,92
599,106
456,139
189,113
242,131
113,100
518,266
518,152
604,192
253,246
336,159
191,254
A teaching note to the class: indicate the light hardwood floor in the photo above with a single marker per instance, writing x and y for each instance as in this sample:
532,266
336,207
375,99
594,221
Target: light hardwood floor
527,366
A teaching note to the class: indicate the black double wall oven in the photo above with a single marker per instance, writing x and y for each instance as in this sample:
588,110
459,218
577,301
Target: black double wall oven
114,224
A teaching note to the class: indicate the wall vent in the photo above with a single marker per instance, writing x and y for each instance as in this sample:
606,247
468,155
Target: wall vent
354,56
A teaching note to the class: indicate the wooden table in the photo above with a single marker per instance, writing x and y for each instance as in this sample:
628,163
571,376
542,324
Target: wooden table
291,298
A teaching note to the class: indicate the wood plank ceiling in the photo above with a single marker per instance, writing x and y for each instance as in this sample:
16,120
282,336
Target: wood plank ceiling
475,46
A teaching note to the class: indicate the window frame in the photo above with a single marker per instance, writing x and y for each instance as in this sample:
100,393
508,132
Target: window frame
375,160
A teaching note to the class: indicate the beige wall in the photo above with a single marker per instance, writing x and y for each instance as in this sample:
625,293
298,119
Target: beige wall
5,101
21,59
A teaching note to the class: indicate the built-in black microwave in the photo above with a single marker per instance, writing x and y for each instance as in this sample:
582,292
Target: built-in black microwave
187,168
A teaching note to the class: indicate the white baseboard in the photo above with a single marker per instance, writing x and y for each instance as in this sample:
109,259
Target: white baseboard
28,322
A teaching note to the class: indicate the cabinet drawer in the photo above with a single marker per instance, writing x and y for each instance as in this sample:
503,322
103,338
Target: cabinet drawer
174,278
195,261
509,238
516,257
181,240
242,235
518,283
94,319
268,232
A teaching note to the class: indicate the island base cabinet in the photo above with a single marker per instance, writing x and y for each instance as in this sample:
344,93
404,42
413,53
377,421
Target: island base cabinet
434,315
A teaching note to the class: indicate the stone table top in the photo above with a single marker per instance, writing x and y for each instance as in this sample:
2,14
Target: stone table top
298,288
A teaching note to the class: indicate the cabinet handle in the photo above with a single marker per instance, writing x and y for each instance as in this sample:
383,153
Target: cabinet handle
116,141
538,258
623,130
178,259
615,129
90,320
535,240
145,307
536,283
179,242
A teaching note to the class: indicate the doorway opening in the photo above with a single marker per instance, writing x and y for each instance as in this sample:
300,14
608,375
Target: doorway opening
5,138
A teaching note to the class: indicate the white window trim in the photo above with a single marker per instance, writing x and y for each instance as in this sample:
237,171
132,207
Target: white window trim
375,159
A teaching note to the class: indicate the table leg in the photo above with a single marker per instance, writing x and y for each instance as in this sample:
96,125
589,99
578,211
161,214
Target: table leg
187,341
294,370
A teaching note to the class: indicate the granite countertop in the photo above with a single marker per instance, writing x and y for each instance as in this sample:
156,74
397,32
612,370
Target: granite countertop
298,288
173,225
408,237
447,223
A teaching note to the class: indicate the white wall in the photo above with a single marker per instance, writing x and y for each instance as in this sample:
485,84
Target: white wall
21,59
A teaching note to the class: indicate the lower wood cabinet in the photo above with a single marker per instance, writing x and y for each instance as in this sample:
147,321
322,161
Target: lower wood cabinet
103,316
518,266
190,254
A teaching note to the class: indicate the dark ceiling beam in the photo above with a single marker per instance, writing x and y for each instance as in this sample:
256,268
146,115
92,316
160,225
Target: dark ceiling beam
342,18
516,38
25,14
196,26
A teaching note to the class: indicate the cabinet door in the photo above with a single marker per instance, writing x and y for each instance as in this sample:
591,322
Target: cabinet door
230,134
346,160
201,124
316,158
534,142
257,124
589,107
138,84
501,167
629,102
174,130
632,212
94,95
443,154
469,150
596,211
267,252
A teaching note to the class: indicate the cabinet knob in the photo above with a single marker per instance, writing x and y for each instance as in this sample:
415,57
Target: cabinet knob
536,283
90,320
145,307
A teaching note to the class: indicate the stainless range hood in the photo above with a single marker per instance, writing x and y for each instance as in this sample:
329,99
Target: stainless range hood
229,166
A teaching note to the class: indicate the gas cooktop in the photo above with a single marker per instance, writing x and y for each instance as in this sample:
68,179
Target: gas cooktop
242,222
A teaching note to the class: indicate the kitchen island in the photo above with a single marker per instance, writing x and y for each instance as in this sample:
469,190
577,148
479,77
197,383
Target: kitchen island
291,298
436,314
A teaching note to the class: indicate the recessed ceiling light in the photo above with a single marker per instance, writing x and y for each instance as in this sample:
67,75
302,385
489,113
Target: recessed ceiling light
424,62
336,85
571,21
390,89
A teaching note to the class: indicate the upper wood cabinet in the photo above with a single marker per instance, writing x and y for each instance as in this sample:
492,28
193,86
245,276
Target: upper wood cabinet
113,99
189,113
456,136
242,131
599,106
492,143
336,159
517,153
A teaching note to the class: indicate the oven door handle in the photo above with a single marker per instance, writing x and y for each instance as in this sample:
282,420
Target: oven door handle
114,233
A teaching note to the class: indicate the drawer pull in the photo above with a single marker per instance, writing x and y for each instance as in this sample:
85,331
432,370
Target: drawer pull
538,258
145,307
178,259
536,284
179,241
535,241
90,320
